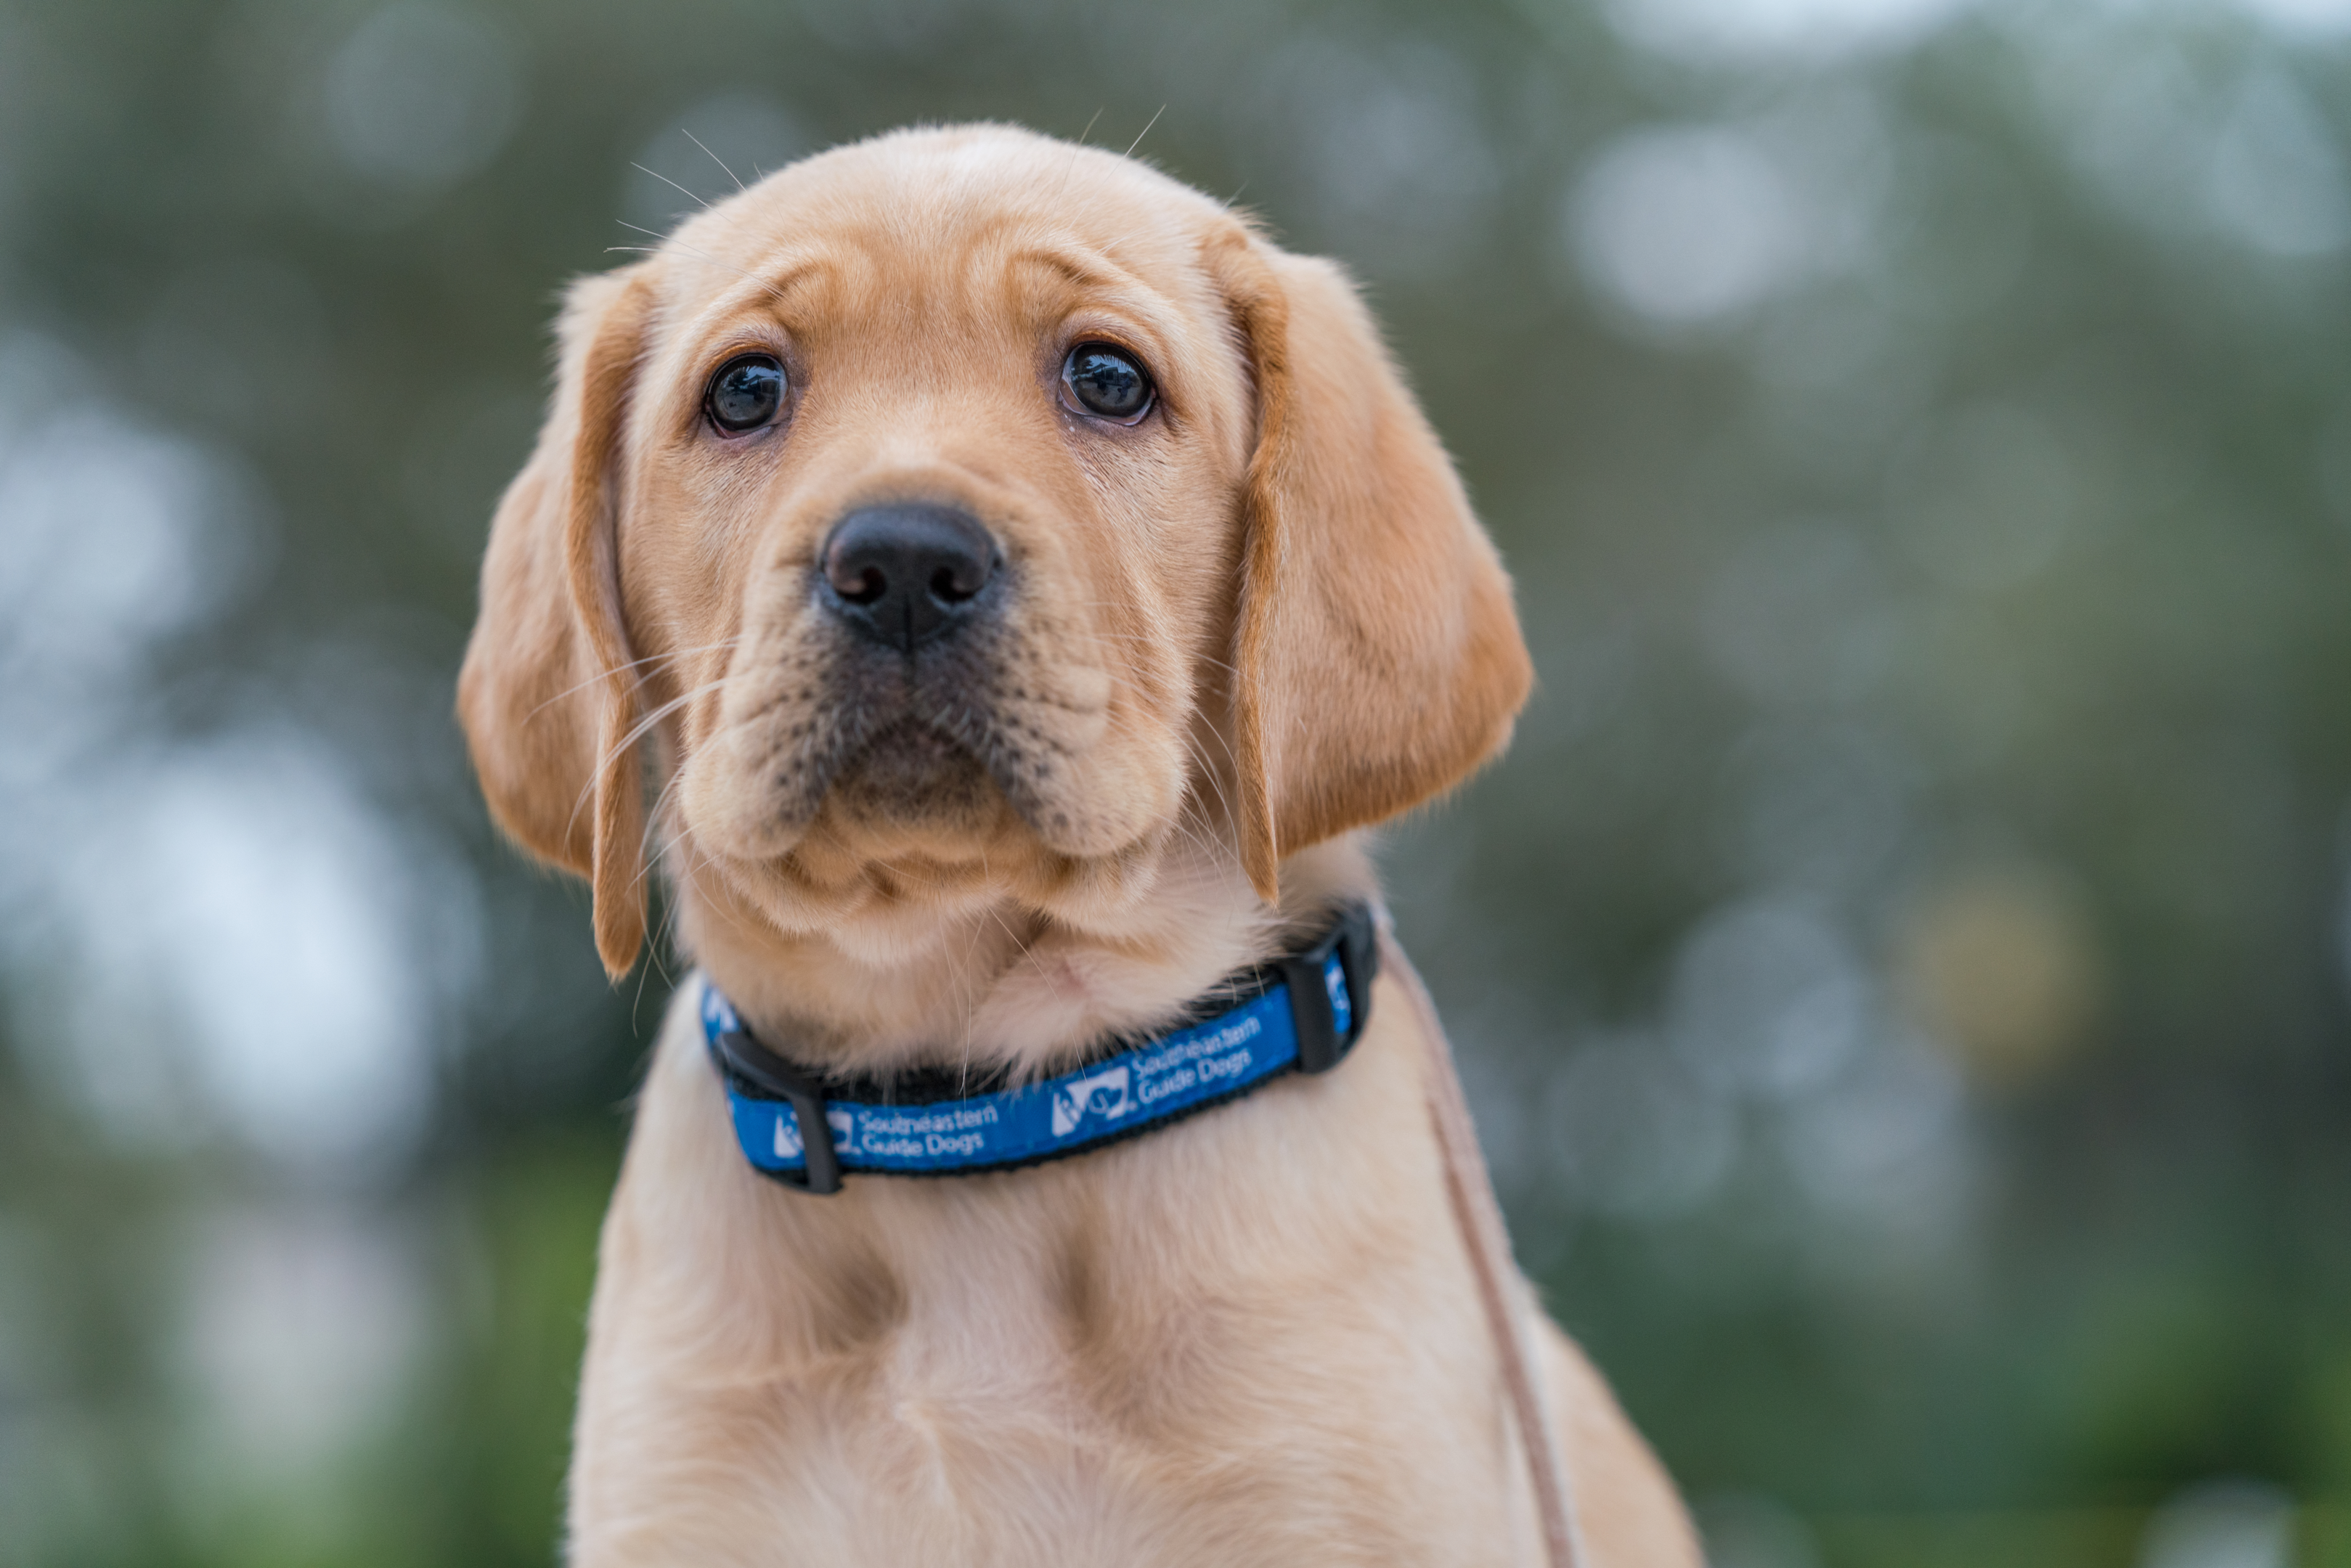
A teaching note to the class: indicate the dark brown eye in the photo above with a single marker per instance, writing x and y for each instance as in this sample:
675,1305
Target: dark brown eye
1107,381
745,392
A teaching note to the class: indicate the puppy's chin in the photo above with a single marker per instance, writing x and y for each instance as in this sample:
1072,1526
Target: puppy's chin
916,802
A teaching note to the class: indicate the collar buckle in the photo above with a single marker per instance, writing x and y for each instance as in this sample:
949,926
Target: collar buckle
748,1059
1323,1041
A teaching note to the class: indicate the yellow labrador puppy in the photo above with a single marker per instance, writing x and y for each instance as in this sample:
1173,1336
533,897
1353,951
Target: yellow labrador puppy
994,584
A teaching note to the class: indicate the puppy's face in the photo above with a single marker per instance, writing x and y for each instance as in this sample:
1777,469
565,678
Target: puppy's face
965,515
932,519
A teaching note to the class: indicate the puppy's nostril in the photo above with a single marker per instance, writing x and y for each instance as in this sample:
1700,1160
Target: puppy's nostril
953,586
864,587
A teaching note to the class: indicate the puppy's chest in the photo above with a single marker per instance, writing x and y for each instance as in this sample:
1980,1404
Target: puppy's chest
1012,1433
1248,1339
1019,1414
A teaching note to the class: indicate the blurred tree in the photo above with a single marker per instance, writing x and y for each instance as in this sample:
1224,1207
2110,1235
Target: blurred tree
1902,964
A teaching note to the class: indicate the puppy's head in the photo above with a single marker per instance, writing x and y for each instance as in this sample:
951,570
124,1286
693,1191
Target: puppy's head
965,514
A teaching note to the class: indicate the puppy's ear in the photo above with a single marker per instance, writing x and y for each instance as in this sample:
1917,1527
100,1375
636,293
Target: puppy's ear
548,697
1377,658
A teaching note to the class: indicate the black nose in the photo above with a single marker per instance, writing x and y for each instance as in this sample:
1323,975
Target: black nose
904,574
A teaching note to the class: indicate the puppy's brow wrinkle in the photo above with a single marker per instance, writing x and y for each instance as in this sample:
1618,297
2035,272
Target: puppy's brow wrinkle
670,242
1075,268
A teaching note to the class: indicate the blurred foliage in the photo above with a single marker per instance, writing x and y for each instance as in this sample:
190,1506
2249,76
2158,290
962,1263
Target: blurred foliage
1901,966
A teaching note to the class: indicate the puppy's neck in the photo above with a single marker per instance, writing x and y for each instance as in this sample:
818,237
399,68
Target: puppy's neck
995,982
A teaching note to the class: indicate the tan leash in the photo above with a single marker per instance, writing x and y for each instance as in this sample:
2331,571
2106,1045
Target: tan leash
1479,1214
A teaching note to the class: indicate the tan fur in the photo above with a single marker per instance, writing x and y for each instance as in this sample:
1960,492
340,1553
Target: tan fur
1259,619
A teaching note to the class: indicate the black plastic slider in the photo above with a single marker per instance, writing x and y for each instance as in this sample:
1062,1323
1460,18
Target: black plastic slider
748,1060
1354,939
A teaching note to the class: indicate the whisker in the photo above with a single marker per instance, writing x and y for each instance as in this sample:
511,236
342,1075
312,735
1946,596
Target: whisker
970,1015
659,713
1228,745
1072,167
1028,953
1145,130
673,185
636,734
1140,639
1208,772
671,243
632,664
714,157
1214,853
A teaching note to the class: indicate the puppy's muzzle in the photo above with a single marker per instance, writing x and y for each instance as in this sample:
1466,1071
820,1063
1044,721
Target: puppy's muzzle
904,575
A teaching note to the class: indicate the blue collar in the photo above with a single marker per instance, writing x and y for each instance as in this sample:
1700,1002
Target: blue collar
1304,1011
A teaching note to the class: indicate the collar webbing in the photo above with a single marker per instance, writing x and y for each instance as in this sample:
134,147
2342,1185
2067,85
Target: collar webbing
1304,1011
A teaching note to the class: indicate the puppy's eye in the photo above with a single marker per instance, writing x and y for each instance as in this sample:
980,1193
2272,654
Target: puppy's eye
1107,381
745,392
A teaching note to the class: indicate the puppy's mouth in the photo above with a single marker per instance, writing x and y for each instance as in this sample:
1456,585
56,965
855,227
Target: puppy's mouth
946,752
937,750
912,774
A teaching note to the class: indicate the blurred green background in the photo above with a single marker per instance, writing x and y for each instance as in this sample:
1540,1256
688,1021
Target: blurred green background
1901,968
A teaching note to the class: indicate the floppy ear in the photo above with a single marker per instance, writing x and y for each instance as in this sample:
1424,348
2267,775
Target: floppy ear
548,697
1377,657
